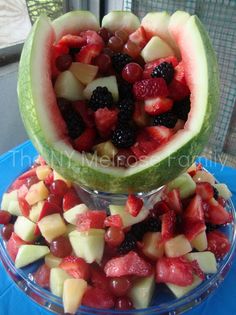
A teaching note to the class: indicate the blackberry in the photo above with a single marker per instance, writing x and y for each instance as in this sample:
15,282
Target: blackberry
63,104
128,244
100,98
123,137
74,122
126,107
182,108
168,119
211,227
152,225
125,90
73,51
216,193
164,70
120,60
138,230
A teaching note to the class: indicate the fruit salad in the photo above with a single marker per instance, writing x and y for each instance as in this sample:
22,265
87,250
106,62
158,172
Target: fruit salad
108,258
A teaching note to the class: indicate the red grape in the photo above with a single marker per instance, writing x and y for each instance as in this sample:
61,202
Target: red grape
105,34
5,217
132,72
122,34
114,236
59,187
7,231
124,303
131,49
55,199
61,247
63,62
103,61
115,44
42,276
120,286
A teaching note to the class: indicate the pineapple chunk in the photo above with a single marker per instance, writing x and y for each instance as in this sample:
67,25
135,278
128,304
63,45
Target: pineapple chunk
43,171
85,73
179,291
52,226
177,246
73,291
106,149
200,242
37,192
52,261
206,261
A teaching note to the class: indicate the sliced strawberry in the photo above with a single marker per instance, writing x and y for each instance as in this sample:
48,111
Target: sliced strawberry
88,52
197,270
160,134
24,206
178,90
99,278
93,219
194,210
57,50
114,221
76,267
215,213
29,173
179,73
149,67
218,243
192,228
98,298
150,88
86,113
205,190
42,276
173,200
85,141
160,208
14,244
139,37
70,199
158,105
168,221
105,120
92,37
72,41
144,145
134,205
129,264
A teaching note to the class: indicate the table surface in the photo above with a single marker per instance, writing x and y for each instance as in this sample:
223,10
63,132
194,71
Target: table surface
222,302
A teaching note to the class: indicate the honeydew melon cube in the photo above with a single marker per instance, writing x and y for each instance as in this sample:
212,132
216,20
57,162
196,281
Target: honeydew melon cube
109,82
179,291
185,184
14,208
57,278
142,291
30,253
52,261
73,291
71,215
6,198
152,246
36,193
127,218
70,228
25,228
206,261
200,242
35,211
88,245
52,226
223,191
156,48
106,149
43,171
177,246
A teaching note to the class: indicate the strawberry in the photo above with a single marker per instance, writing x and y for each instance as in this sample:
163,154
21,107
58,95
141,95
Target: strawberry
105,120
129,264
42,276
158,105
144,145
88,52
178,90
72,41
192,228
194,210
98,298
173,200
134,205
14,244
76,267
24,206
70,199
86,113
27,174
114,221
17,184
139,37
168,221
149,67
160,208
150,88
205,190
93,219
86,140
57,50
160,134
218,243
92,37
216,213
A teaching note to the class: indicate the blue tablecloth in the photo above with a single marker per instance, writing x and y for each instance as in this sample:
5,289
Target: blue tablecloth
222,302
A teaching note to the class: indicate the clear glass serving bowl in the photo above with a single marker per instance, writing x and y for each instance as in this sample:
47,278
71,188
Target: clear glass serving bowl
163,301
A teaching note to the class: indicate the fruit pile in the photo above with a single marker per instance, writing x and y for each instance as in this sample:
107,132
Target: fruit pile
107,259
120,95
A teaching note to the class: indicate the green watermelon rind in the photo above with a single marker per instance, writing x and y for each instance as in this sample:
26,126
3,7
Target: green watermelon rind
106,180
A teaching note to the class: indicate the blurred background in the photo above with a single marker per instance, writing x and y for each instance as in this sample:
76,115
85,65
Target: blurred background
218,16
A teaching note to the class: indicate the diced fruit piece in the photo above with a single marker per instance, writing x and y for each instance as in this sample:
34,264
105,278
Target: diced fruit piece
194,210
160,134
88,245
113,221
36,193
150,88
127,218
203,176
106,149
218,243
86,140
114,236
149,67
13,245
42,276
35,211
132,72
49,208
52,261
185,184
92,37
88,52
76,267
109,82
71,215
129,264
158,105
86,113
30,253
180,291
138,37
140,116
24,206
43,171
99,278
70,200
142,291
14,208
5,217
52,226
68,87
98,298
173,200
93,219
6,198
117,20
217,214
72,41
177,246
200,241
156,48
152,247
206,261
168,221
134,205
57,279
73,292
205,190
57,176
192,228
24,228
61,247
83,72
119,286
223,191
105,120
177,90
